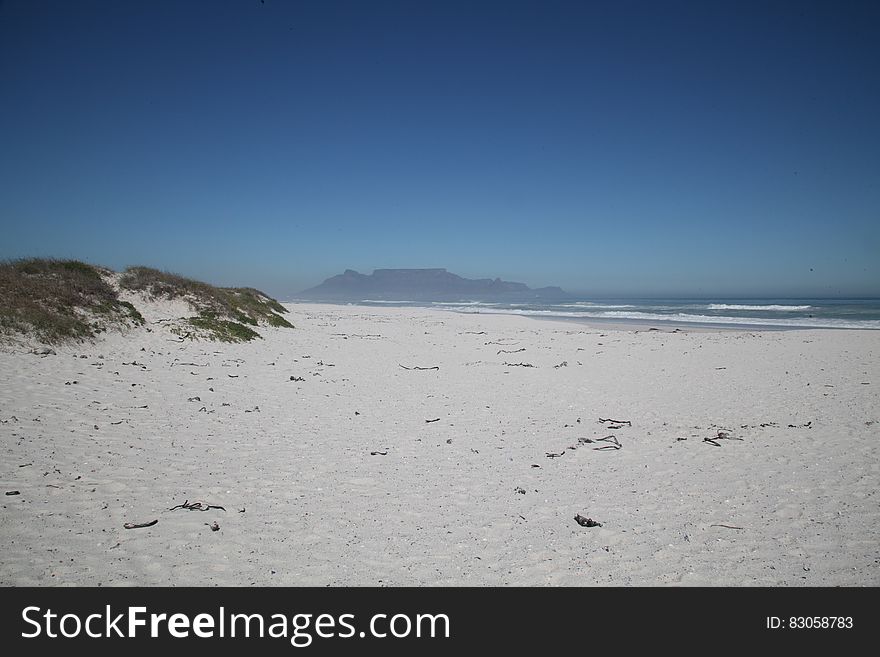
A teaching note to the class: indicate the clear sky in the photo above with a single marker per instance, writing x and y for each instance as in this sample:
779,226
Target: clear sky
614,148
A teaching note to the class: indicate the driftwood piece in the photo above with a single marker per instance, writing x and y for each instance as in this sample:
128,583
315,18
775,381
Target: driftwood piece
377,453
139,525
626,422
518,364
727,526
555,455
615,444
435,367
509,351
436,419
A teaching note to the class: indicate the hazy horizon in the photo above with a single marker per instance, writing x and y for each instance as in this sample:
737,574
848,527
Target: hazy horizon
640,150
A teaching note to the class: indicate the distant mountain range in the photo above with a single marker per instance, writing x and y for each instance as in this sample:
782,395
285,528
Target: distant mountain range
423,285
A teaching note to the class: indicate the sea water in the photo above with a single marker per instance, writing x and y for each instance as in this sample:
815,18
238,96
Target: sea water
768,313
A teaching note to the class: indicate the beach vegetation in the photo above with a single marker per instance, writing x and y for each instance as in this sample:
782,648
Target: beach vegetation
225,313
59,300
55,301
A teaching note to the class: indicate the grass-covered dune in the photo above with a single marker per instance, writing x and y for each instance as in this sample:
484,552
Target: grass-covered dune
55,301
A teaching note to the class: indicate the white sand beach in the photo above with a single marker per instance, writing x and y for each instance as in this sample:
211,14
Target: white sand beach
371,471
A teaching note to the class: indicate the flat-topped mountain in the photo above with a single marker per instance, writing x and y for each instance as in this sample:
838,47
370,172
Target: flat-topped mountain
423,285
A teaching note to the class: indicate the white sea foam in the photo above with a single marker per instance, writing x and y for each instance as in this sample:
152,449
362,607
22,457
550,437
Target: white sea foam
733,306
591,304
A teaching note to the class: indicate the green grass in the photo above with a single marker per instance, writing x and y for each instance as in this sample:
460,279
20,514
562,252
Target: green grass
222,311
59,300
224,330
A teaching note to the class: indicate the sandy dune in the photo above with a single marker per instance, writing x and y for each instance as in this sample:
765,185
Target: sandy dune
121,431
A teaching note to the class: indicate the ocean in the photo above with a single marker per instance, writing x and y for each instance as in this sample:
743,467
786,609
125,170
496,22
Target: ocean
757,313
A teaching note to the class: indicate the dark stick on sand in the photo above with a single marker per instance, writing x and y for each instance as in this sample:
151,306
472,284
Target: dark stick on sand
435,367
135,525
626,422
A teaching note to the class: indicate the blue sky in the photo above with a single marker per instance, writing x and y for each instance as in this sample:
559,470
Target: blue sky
612,148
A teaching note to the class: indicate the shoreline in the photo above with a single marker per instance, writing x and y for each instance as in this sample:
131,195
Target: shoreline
610,323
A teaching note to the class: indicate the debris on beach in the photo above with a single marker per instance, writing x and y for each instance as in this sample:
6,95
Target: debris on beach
586,522
720,435
378,453
610,421
436,419
139,525
13,492
214,526
196,506
554,455
614,443
435,367
519,365
519,490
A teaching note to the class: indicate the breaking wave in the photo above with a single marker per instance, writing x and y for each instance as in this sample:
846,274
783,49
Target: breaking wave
733,306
